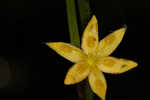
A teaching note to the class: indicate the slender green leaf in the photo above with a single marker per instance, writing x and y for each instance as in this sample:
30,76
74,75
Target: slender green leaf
72,22
84,12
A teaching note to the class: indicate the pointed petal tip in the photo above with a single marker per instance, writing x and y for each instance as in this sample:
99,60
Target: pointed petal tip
125,26
67,81
46,43
50,44
133,63
102,96
122,30
136,64
94,18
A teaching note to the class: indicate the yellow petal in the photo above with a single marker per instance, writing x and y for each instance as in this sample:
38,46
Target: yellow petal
115,65
90,36
98,84
67,51
77,73
110,42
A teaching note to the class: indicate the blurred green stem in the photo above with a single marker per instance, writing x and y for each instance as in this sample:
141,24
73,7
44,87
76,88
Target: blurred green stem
84,90
72,23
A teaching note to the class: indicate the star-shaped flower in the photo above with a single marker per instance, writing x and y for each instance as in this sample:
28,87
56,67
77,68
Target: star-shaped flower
94,58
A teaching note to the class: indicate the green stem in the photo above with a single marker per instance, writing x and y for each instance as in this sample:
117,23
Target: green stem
72,23
88,92
84,12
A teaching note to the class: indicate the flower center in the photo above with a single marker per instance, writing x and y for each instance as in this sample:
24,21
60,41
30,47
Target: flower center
91,60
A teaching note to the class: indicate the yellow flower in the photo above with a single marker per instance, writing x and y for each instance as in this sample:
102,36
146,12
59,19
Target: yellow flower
94,58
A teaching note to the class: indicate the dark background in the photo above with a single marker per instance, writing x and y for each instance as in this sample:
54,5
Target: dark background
29,68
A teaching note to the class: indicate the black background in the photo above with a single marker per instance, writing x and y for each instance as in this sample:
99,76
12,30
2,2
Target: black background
38,71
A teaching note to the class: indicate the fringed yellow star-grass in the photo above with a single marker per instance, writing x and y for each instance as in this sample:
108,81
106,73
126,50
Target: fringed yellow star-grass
94,58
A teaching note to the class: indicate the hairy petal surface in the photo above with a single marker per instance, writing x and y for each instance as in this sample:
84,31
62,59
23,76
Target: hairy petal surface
114,65
68,51
77,73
